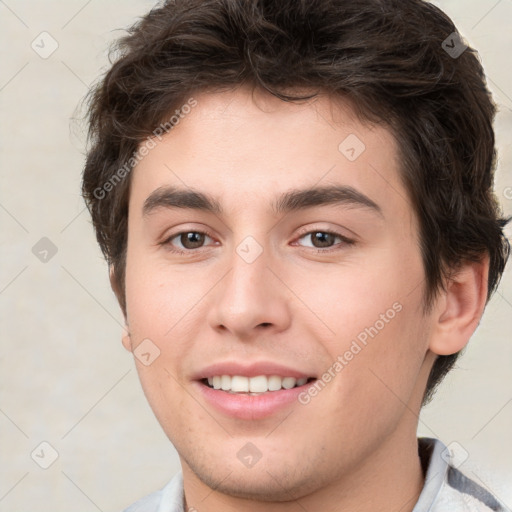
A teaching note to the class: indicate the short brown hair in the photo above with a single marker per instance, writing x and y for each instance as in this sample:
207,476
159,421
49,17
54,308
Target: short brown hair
389,58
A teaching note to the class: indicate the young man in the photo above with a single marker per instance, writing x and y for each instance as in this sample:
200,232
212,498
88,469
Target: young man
295,200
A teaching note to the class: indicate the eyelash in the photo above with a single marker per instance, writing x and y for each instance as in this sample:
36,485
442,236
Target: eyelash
189,252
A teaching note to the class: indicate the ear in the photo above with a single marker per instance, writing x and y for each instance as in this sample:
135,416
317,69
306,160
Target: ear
126,339
460,307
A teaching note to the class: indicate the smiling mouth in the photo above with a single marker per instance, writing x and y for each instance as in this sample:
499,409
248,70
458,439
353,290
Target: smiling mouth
239,384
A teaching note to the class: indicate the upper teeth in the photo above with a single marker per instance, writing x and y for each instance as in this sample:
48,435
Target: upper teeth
259,384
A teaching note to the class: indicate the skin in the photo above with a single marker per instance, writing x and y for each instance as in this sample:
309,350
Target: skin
350,445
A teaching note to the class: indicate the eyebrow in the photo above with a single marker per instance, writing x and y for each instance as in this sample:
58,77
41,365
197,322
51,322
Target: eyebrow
293,200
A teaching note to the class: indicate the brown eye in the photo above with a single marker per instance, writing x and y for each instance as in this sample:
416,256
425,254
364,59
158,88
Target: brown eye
321,239
192,239
186,241
325,240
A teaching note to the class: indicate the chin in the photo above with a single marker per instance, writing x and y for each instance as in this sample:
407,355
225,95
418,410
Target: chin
263,482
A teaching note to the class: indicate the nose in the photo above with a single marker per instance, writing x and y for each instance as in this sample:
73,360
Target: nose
250,299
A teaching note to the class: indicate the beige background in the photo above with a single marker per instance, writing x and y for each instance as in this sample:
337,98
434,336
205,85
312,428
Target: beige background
65,378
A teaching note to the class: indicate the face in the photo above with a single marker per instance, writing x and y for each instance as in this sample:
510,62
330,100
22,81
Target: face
279,328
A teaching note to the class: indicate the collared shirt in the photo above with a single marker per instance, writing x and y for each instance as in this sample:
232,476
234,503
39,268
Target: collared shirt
446,489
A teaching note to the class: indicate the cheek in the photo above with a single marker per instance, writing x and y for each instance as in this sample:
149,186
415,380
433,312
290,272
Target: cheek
377,330
373,380
382,361
159,298
159,312
164,306
366,298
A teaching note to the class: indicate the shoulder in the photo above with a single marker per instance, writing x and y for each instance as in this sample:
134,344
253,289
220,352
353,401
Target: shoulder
168,499
461,493
446,488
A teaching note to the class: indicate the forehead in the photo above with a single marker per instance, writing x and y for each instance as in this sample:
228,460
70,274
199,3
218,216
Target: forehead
245,147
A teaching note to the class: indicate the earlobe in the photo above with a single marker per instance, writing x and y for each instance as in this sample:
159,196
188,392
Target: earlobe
460,308
126,339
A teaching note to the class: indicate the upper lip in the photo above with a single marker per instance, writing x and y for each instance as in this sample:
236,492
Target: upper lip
254,369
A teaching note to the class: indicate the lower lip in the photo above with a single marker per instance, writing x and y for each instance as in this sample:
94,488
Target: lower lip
251,407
